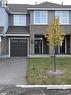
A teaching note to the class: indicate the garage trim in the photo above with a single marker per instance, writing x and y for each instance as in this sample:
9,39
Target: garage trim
20,38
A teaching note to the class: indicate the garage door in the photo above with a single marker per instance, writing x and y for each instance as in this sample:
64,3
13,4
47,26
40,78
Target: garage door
18,47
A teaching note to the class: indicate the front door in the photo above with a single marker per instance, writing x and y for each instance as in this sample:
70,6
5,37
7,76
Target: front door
38,46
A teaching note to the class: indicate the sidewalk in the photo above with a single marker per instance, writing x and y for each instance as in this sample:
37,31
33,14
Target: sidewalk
46,55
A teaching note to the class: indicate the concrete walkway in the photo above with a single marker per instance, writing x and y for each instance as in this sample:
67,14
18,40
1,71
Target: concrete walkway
47,55
13,71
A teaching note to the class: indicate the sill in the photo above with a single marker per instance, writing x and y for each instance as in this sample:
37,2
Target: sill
39,24
65,24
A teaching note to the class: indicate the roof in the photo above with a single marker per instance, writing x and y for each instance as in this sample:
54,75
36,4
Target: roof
18,7
1,29
52,5
23,7
18,30
47,5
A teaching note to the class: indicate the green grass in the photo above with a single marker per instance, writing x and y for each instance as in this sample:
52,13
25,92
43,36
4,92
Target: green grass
38,68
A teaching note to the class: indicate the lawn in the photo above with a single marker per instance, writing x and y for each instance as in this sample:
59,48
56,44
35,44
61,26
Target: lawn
38,68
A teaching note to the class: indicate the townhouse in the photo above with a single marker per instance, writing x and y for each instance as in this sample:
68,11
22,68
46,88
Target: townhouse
22,28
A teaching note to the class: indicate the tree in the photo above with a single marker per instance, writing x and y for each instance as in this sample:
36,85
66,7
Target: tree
55,36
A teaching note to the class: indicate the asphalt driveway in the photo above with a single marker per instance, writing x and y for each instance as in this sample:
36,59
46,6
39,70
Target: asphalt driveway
13,71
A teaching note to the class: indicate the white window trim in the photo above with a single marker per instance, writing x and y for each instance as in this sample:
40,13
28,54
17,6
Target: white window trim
40,22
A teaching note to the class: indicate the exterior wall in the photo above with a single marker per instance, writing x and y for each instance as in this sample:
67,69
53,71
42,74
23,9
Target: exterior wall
31,42
42,29
51,15
38,29
27,20
4,47
69,17
31,17
3,19
11,20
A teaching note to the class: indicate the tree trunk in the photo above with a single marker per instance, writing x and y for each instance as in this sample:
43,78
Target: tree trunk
54,60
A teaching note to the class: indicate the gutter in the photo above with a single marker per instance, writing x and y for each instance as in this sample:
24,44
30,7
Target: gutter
17,35
64,9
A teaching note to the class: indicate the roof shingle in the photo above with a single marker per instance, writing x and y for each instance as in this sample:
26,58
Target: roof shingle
18,30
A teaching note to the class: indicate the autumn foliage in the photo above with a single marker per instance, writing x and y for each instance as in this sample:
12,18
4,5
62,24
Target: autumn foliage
55,34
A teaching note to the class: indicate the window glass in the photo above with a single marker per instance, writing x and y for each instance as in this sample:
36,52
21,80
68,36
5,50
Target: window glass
63,16
40,17
20,20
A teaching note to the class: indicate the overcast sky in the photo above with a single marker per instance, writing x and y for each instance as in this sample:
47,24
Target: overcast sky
66,2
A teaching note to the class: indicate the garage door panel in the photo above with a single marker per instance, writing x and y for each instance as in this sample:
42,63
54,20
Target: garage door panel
18,47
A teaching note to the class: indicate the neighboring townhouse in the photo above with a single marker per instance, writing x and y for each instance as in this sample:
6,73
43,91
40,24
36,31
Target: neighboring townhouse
22,28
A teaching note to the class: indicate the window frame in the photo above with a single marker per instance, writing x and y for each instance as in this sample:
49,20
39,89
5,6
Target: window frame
61,18
19,21
40,22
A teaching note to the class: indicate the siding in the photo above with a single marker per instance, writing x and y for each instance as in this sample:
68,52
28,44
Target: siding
10,20
70,17
31,17
51,15
41,29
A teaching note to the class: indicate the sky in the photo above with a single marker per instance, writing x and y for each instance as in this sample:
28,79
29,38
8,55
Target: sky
65,2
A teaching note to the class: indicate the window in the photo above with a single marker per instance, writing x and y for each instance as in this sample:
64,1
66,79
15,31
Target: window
40,17
20,20
63,16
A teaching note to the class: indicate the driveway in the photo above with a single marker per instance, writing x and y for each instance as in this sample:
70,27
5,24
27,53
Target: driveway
13,71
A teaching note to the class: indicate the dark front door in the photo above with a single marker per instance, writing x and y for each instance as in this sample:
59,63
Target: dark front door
68,44
18,47
38,46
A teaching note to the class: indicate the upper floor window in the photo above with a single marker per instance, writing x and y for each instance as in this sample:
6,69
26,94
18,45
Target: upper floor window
63,16
20,20
40,17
